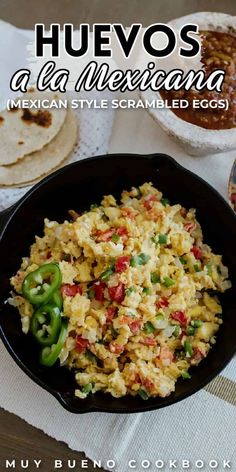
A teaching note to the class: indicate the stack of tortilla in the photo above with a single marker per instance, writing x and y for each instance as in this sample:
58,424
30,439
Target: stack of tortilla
34,142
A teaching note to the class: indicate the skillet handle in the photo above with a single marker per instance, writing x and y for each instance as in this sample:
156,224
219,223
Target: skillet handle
163,160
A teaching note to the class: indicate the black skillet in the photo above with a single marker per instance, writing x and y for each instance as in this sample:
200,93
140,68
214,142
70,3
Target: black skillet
77,186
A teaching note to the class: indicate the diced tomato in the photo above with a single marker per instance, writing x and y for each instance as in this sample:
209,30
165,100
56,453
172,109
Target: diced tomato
180,317
110,313
148,341
163,302
99,288
71,290
166,355
135,327
122,263
117,293
115,347
104,236
148,384
196,252
128,212
81,344
122,231
190,226
198,354
148,202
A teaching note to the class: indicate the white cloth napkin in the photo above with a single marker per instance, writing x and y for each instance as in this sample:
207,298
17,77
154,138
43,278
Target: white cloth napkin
202,427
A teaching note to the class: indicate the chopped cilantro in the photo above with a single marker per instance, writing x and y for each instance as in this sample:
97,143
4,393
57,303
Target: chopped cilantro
149,328
115,238
143,394
168,282
155,279
165,201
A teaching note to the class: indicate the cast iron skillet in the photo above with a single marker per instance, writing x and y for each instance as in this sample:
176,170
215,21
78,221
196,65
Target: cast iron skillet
77,186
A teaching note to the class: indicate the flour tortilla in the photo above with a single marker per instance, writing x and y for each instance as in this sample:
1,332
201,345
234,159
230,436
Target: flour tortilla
41,162
19,137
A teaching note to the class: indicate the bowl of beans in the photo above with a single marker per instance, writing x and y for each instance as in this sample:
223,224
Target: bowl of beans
204,126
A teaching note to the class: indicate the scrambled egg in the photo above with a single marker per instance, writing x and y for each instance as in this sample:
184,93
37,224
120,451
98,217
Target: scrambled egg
142,316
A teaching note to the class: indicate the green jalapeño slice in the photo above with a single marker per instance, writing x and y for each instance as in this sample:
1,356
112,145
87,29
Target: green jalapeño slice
46,324
57,299
39,285
49,355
